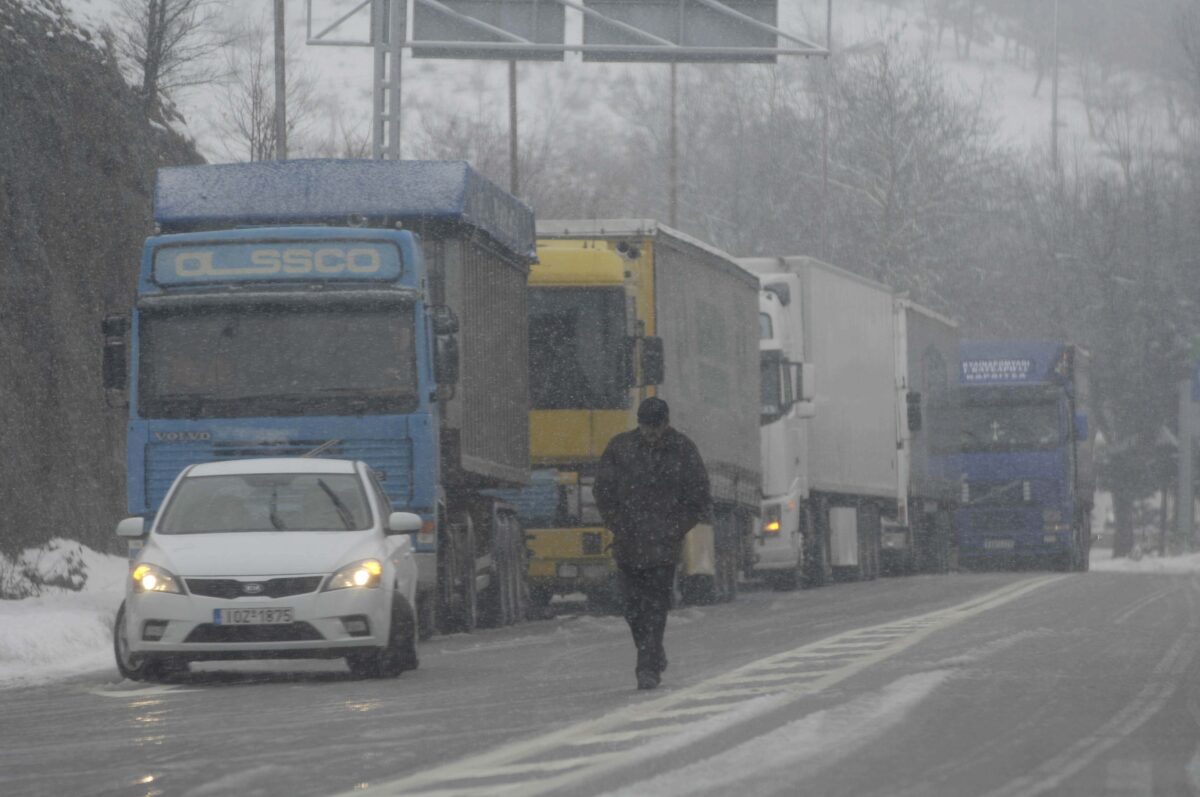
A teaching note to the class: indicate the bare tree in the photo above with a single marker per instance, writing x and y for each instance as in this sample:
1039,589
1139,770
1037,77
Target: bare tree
172,44
247,118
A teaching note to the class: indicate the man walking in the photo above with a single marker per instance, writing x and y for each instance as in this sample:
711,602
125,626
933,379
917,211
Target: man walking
651,489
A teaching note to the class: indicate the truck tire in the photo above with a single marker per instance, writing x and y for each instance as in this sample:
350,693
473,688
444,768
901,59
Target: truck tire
462,609
498,605
817,572
427,620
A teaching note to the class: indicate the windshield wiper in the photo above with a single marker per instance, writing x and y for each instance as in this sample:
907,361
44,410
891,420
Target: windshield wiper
276,521
342,510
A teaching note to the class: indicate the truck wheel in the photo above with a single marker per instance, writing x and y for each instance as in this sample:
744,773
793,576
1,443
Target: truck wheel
817,572
787,580
135,666
462,615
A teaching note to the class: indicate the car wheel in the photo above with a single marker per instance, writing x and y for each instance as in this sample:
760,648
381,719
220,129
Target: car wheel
400,653
131,665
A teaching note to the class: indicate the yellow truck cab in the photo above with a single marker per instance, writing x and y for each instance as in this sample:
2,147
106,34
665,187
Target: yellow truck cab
601,339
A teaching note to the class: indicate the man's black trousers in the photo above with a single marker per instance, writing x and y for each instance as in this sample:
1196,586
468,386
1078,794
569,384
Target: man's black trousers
646,592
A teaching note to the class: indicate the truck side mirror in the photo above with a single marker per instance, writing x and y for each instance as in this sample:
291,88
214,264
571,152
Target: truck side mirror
914,411
114,373
653,361
445,322
445,359
1081,426
806,389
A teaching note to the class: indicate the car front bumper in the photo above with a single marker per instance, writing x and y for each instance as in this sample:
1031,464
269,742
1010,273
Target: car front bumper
184,625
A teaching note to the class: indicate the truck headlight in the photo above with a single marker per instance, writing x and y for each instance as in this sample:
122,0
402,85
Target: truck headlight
152,578
365,574
772,519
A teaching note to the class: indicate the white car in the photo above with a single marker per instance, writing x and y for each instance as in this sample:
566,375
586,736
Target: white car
271,558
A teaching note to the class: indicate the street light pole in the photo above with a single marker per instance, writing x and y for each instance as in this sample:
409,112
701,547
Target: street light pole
280,85
1054,98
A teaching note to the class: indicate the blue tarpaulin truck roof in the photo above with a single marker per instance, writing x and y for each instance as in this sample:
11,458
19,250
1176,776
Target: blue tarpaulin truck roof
341,193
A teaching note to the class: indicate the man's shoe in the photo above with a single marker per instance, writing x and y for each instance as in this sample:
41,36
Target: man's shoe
647,679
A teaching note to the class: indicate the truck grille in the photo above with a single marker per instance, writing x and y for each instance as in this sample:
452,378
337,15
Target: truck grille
271,588
164,461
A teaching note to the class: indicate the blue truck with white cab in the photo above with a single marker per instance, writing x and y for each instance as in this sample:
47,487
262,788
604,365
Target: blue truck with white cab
353,309
1021,450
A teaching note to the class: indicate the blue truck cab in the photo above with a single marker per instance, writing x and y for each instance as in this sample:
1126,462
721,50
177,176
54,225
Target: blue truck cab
365,310
1021,450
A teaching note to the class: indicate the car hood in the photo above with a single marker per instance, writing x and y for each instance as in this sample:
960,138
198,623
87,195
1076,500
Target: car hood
260,553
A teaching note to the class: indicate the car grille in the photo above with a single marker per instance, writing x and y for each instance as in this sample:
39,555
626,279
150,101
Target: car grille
271,588
292,632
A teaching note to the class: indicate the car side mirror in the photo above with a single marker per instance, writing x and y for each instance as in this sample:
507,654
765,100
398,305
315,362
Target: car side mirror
404,523
132,527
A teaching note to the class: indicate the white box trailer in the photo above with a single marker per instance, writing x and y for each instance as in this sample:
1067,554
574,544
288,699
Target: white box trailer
850,457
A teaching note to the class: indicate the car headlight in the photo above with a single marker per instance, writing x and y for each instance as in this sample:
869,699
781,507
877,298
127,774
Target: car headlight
152,578
366,574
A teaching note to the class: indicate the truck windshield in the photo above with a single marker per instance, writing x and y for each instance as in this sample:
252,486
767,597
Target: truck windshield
267,502
276,359
577,349
1003,426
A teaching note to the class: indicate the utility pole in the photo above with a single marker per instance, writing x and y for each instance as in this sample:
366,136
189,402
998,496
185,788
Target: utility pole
514,181
280,85
673,159
825,80
1054,98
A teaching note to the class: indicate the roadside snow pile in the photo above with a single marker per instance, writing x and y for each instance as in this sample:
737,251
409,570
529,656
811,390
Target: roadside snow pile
1148,563
64,627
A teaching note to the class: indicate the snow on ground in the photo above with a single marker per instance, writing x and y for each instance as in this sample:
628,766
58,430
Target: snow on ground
61,632
781,755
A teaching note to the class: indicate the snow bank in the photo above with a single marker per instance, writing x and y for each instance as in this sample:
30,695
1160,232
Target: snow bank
59,632
1103,562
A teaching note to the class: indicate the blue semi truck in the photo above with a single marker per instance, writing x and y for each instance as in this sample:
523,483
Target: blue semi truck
366,310
1021,450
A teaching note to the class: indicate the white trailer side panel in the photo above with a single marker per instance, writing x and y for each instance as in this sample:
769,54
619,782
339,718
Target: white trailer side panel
849,337
706,312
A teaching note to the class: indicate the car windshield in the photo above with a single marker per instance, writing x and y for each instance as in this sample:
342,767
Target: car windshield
267,502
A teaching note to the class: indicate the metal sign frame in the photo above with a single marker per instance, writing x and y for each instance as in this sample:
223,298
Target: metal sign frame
390,33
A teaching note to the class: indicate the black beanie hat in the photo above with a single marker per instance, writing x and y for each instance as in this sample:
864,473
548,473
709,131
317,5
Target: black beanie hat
653,412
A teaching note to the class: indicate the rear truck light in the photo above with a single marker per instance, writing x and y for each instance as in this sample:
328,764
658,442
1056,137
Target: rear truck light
965,495
1050,538
772,520
427,535
1026,492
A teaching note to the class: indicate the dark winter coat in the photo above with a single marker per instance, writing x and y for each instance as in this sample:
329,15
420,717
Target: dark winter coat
650,496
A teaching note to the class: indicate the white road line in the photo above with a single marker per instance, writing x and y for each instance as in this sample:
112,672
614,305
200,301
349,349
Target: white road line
1160,687
432,781
627,736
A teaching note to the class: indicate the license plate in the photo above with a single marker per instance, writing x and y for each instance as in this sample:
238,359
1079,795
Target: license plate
999,545
568,571
273,616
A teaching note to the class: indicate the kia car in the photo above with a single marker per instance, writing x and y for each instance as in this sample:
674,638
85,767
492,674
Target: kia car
271,558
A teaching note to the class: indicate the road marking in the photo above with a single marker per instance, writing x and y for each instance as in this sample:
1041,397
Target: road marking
1161,686
558,749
